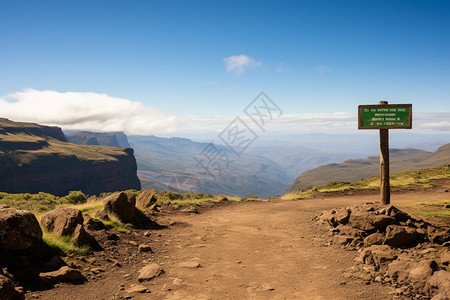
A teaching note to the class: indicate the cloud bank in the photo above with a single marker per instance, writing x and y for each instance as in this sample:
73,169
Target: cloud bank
86,111
237,64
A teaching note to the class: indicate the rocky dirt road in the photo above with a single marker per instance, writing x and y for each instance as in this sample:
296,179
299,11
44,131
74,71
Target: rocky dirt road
248,250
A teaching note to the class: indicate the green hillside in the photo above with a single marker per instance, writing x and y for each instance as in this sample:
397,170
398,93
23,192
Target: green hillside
356,169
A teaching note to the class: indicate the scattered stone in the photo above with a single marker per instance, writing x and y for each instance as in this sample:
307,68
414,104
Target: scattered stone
8,291
149,272
438,236
399,215
146,199
112,237
92,223
82,238
64,274
342,216
374,239
265,287
445,257
137,288
62,220
145,248
343,239
378,255
190,264
438,285
398,270
400,236
349,230
147,233
121,205
419,275
370,222
177,282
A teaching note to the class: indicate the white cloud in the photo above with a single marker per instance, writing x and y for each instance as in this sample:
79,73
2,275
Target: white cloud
86,111
439,126
237,64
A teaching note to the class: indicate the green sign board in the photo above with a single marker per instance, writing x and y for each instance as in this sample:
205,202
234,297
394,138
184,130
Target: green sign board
389,116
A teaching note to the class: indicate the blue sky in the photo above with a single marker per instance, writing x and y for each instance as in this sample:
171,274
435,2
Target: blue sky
169,59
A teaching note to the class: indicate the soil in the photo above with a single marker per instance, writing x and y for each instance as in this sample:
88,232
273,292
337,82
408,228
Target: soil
233,250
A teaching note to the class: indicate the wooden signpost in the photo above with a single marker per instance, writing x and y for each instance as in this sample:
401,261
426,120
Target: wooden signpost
384,117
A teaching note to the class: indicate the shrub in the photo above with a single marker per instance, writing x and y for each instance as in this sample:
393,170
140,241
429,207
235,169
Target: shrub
76,197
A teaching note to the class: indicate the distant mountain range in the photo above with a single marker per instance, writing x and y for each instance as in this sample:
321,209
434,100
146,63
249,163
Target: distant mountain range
356,169
36,158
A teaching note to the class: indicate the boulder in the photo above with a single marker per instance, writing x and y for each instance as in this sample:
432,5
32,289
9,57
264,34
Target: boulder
92,223
145,248
445,257
330,217
8,290
82,238
122,206
349,230
369,221
400,236
378,255
342,216
19,231
374,239
438,236
64,274
419,275
438,285
399,215
146,199
149,272
343,239
62,220
398,270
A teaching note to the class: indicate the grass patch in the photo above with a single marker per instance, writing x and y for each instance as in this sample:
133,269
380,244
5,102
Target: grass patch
63,244
435,213
114,222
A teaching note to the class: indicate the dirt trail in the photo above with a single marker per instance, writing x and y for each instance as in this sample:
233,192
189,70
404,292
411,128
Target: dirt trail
250,250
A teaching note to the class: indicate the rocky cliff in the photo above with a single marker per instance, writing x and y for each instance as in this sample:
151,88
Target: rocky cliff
36,158
112,139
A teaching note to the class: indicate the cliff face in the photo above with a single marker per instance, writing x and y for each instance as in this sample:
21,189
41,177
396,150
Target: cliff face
112,139
35,158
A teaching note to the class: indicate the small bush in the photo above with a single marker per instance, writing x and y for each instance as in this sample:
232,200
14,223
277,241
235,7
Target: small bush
76,197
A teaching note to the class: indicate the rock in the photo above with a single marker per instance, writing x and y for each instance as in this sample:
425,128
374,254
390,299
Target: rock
8,290
19,232
342,216
137,288
190,264
399,215
438,285
438,236
330,217
419,275
62,220
349,230
122,206
369,221
102,215
146,199
145,248
343,239
374,239
82,238
400,236
149,272
64,274
398,270
377,255
93,224
112,237
445,257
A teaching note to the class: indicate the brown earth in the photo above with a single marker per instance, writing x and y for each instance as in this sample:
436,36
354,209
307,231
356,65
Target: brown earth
247,250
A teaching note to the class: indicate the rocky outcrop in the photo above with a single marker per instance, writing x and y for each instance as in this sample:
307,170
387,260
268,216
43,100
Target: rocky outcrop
35,158
395,248
146,199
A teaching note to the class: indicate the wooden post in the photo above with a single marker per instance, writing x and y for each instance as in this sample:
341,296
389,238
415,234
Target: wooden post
385,189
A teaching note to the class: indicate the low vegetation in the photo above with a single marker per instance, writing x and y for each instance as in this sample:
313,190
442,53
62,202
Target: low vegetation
62,244
418,179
